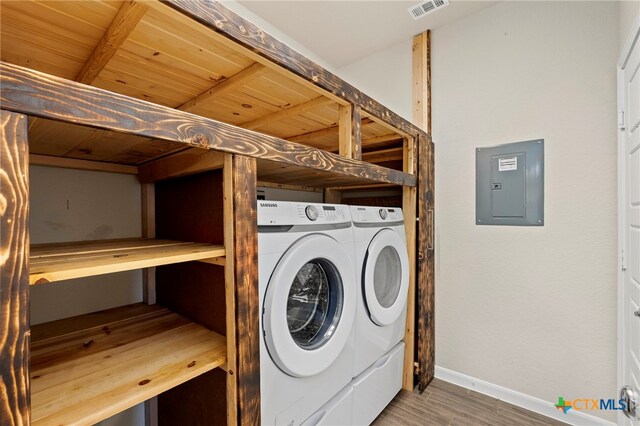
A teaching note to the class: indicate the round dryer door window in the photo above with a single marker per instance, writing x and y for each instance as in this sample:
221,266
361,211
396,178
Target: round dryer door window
309,306
386,277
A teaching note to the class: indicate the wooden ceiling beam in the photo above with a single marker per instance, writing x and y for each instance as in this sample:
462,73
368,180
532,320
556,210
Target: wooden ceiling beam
223,21
223,86
380,139
392,154
188,162
329,131
287,112
34,93
130,13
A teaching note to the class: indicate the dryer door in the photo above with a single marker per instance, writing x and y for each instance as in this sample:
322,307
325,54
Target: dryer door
386,277
309,306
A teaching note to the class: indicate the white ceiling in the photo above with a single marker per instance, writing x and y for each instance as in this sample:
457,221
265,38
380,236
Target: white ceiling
342,32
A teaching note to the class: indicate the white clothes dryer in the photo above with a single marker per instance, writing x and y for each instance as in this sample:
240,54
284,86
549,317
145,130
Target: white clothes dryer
307,302
383,273
382,268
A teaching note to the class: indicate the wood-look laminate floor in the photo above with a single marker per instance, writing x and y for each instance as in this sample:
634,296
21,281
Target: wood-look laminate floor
443,403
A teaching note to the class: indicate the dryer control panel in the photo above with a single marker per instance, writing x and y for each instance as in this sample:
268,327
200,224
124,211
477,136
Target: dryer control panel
287,213
363,214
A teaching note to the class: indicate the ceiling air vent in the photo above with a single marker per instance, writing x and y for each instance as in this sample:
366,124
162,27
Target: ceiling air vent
426,7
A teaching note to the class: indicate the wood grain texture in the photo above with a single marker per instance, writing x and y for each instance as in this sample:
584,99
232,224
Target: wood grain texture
426,263
31,92
190,161
224,86
14,270
123,24
148,208
350,134
220,19
230,290
445,404
246,286
409,210
190,207
287,112
420,51
73,163
87,375
425,339
64,261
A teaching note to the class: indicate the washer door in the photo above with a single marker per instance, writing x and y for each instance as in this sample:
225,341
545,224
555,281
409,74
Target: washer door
386,277
309,306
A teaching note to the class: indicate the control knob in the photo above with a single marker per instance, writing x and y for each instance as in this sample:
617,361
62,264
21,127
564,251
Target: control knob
311,212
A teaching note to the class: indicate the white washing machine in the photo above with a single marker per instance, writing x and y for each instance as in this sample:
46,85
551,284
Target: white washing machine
383,273
308,303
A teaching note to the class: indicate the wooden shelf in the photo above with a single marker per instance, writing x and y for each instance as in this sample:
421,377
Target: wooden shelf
62,261
88,368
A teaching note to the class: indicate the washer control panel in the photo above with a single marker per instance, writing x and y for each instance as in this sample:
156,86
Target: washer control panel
365,214
286,213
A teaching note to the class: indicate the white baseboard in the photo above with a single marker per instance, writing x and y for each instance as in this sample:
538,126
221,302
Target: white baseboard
522,400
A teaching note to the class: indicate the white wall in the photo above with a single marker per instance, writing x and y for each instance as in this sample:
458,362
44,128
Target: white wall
628,10
239,9
385,76
530,309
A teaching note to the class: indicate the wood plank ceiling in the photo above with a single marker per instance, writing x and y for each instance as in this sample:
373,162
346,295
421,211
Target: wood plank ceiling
148,51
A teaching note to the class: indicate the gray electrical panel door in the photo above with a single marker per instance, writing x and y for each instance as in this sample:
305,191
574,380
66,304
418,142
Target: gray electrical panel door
510,184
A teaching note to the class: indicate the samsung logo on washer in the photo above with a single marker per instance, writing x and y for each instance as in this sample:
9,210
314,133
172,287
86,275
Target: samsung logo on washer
268,205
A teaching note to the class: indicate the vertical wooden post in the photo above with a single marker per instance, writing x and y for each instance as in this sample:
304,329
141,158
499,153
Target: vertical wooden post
14,270
148,196
421,81
240,184
230,290
426,225
149,231
350,134
426,263
409,211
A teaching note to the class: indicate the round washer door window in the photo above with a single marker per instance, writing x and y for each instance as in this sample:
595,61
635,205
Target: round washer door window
386,277
309,306
315,302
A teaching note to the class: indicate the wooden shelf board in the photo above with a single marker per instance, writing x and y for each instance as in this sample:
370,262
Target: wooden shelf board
87,368
62,261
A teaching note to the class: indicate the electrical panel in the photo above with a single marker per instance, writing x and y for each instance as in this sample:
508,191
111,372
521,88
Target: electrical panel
510,184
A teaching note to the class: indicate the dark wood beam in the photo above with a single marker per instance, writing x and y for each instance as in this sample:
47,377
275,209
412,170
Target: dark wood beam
223,21
426,277
14,270
130,13
245,267
426,263
34,93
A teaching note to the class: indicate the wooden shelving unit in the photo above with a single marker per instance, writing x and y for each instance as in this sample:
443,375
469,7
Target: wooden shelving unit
63,261
200,105
85,369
